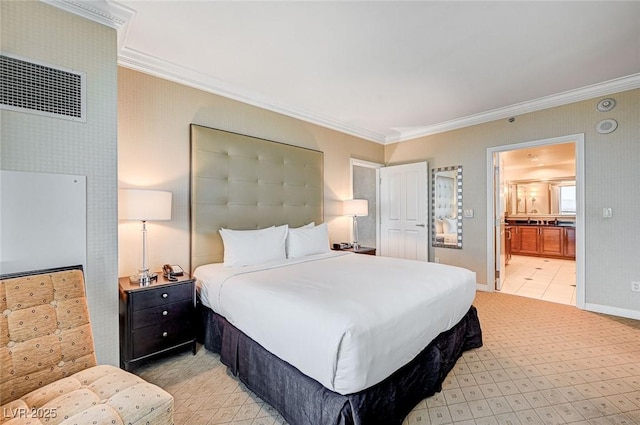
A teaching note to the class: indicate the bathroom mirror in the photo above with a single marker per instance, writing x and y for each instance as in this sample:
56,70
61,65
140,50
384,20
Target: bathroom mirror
446,207
548,197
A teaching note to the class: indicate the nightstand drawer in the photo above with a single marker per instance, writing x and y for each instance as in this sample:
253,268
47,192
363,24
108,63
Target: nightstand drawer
179,312
159,337
155,319
160,296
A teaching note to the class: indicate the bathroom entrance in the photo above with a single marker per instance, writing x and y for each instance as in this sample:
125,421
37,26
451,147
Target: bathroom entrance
537,199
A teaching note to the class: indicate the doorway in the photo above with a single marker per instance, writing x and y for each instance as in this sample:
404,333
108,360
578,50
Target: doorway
536,212
365,184
404,211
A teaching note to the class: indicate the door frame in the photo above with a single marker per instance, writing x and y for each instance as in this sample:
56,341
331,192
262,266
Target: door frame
578,139
367,164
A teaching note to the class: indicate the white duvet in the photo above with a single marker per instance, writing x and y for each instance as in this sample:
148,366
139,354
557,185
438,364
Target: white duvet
345,320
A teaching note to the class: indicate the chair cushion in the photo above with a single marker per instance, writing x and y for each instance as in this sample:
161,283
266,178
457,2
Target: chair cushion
100,394
45,332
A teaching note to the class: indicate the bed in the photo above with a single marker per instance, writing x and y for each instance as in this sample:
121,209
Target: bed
313,334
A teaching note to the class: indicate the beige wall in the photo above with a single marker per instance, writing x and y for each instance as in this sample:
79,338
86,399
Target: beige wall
153,152
36,143
612,180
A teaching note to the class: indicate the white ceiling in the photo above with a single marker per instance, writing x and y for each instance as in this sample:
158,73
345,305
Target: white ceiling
384,70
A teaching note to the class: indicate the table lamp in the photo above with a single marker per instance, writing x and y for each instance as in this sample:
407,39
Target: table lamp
356,208
144,205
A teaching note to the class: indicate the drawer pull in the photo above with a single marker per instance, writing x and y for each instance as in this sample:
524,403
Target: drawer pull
164,313
165,334
165,295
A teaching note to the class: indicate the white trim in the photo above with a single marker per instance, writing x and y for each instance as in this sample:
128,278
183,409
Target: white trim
614,311
120,17
617,85
578,139
112,14
363,163
377,166
142,62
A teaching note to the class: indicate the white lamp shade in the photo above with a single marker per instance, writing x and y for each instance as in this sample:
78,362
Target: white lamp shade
144,205
356,207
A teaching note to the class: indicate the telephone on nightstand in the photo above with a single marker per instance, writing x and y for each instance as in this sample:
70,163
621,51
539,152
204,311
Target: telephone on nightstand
170,270
342,245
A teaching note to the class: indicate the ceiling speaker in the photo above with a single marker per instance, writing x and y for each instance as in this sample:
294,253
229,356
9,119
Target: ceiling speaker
606,126
606,105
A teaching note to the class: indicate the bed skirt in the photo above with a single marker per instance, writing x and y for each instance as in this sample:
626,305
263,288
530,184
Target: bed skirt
303,401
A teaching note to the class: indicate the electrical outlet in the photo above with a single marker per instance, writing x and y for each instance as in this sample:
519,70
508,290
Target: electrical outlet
437,259
635,285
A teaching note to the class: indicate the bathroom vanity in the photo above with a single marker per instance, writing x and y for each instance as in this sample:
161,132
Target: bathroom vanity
541,237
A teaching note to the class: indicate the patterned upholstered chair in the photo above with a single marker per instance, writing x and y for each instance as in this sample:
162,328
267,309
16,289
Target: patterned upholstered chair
48,371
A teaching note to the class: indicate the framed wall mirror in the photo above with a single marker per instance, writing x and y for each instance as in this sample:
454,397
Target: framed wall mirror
550,197
446,207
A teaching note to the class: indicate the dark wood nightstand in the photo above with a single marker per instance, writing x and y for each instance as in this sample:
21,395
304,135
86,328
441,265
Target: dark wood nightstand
362,250
155,319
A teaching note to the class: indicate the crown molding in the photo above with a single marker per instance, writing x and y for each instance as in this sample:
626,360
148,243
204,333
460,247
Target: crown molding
571,96
120,17
142,62
111,14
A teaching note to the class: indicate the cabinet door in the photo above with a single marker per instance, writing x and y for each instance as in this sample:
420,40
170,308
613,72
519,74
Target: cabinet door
529,241
507,243
515,240
551,240
570,242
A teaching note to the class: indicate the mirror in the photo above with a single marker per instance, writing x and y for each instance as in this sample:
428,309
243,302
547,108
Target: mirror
446,207
551,197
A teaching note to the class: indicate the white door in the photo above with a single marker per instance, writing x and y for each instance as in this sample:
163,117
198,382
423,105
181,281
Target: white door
404,211
499,231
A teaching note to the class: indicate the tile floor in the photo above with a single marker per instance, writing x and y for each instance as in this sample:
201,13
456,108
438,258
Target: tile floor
542,363
547,279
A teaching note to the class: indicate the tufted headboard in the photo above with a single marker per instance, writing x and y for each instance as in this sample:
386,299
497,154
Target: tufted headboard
243,182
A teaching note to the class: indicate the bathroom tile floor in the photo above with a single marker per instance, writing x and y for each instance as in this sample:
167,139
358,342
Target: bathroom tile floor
547,279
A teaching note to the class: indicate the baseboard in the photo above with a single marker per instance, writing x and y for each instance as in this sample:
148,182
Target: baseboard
613,311
482,287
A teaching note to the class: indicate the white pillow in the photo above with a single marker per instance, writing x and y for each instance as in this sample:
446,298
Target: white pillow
305,241
451,224
251,247
312,224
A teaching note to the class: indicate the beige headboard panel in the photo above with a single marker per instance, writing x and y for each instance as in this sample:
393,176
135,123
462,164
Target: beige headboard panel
243,182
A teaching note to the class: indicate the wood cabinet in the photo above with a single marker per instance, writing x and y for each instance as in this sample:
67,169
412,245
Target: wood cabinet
508,238
551,241
529,240
156,318
543,241
569,242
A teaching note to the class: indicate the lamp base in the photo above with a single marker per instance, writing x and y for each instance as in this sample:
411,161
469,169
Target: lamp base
144,278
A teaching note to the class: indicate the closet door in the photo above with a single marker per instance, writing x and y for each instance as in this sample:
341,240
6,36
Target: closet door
404,211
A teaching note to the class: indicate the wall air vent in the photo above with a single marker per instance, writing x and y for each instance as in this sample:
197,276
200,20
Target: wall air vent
42,89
